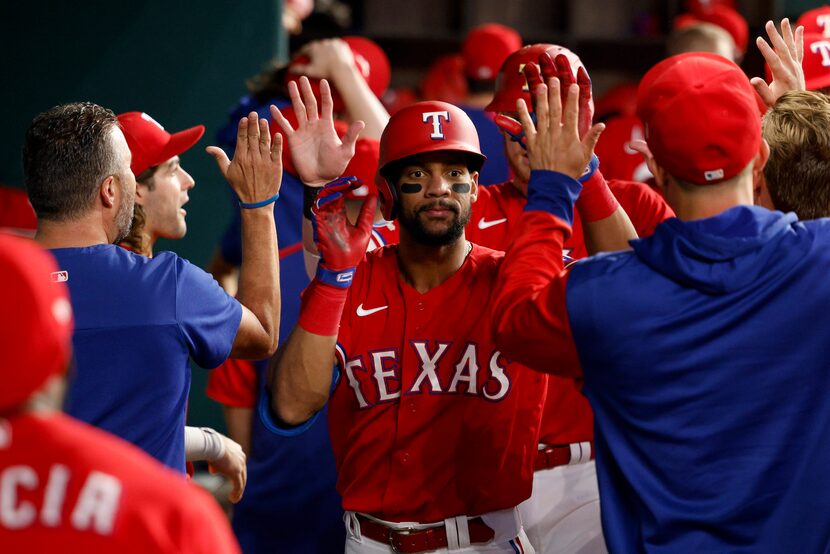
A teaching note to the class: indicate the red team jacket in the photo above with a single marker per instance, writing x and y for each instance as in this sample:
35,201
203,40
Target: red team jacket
428,420
68,487
567,417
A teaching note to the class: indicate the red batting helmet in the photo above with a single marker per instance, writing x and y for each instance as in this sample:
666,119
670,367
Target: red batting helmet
418,129
511,83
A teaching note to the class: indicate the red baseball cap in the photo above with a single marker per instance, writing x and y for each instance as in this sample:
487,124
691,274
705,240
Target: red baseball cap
701,118
150,144
617,158
486,47
370,60
816,63
400,97
619,100
444,80
724,17
36,325
815,21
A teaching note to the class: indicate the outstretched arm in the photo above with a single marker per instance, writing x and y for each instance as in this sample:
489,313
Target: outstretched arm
605,225
299,378
530,316
255,174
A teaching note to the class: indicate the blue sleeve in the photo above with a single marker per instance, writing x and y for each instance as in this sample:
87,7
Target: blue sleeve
554,193
208,317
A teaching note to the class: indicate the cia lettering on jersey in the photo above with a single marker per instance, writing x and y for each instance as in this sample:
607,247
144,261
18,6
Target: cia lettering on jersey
376,377
26,499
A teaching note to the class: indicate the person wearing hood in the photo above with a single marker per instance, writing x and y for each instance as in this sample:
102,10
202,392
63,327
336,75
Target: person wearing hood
703,349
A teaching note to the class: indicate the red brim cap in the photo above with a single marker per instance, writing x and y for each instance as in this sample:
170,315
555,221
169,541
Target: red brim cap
701,117
180,143
815,21
486,47
150,145
816,63
724,17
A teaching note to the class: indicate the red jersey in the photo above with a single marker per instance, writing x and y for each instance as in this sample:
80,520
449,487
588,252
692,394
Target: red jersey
234,383
567,417
428,420
67,487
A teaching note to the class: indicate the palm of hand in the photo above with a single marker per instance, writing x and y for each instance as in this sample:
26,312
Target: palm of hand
318,153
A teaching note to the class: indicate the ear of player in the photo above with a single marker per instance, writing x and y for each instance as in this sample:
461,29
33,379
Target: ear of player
341,245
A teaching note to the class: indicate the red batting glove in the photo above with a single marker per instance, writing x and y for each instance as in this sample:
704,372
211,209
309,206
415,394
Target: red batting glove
566,77
341,245
513,128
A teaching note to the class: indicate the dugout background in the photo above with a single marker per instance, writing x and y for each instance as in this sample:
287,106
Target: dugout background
185,62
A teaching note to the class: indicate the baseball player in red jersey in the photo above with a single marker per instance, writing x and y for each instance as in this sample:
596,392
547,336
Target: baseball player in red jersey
563,513
66,486
434,432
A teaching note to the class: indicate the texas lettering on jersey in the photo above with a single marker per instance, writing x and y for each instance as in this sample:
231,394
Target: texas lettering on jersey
437,373
426,406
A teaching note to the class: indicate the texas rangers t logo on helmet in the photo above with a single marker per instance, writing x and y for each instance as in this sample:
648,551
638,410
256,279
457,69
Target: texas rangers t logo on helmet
435,119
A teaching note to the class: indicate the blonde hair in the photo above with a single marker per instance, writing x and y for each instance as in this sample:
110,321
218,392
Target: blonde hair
797,129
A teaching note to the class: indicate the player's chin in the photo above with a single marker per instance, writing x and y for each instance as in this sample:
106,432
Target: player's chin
438,226
179,231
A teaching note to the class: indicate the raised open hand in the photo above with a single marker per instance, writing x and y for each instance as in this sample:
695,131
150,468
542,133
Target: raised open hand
784,58
255,173
318,154
553,142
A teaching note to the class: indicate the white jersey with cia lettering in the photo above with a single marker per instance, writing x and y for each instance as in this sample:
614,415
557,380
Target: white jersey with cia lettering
68,487
428,419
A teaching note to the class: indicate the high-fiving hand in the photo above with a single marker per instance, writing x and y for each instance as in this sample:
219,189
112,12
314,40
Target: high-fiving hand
318,154
553,142
784,58
255,173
